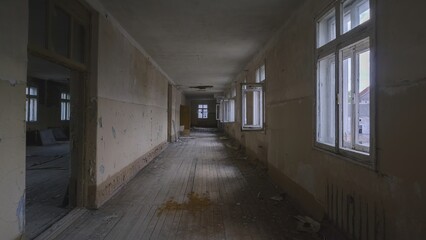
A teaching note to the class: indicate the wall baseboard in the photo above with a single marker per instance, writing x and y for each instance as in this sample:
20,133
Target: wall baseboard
113,184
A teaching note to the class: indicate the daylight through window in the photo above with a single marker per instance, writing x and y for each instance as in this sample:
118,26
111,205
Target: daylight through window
345,125
65,106
31,104
202,111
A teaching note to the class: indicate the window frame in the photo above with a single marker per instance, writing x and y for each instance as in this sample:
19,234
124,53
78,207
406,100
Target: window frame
228,105
228,110
67,103
244,126
28,97
366,30
218,115
203,110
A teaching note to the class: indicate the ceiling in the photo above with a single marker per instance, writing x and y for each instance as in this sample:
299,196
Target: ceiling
201,42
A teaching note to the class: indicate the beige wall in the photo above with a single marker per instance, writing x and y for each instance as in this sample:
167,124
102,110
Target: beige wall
387,203
132,110
13,68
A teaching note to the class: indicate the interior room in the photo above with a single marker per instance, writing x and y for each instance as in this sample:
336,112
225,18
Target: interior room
225,119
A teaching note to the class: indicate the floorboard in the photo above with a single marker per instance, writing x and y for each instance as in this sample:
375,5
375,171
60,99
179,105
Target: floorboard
197,188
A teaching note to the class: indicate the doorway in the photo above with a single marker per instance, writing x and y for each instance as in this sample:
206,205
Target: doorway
48,150
57,87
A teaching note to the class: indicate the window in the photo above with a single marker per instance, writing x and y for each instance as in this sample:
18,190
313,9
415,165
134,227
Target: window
202,111
228,110
355,13
252,96
252,106
326,100
65,106
227,105
31,104
355,103
326,28
260,74
343,83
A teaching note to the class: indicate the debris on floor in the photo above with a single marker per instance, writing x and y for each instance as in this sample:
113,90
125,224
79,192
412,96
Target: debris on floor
195,203
224,138
232,146
307,224
279,197
110,217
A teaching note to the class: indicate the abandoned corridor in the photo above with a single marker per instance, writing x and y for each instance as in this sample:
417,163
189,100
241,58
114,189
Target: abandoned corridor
199,188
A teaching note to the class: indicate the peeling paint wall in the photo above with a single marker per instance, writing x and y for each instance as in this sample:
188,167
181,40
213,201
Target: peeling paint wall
13,70
387,204
132,110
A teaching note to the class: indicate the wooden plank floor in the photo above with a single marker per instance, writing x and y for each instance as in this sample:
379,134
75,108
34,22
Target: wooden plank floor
47,176
196,189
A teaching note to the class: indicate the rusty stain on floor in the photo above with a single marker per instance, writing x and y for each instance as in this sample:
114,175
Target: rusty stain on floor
195,203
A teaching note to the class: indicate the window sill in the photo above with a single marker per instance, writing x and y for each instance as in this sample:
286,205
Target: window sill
355,157
252,129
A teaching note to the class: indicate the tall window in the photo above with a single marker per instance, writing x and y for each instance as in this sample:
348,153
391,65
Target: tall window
203,111
227,105
31,104
228,110
344,74
65,106
252,105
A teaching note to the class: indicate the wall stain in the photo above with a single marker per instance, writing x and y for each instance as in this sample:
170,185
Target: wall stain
100,122
102,169
113,132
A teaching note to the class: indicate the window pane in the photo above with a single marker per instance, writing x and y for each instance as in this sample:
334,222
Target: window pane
232,110
256,108
31,109
68,110
61,23
79,42
37,23
326,101
260,74
26,110
347,103
33,91
252,106
326,29
363,133
355,12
